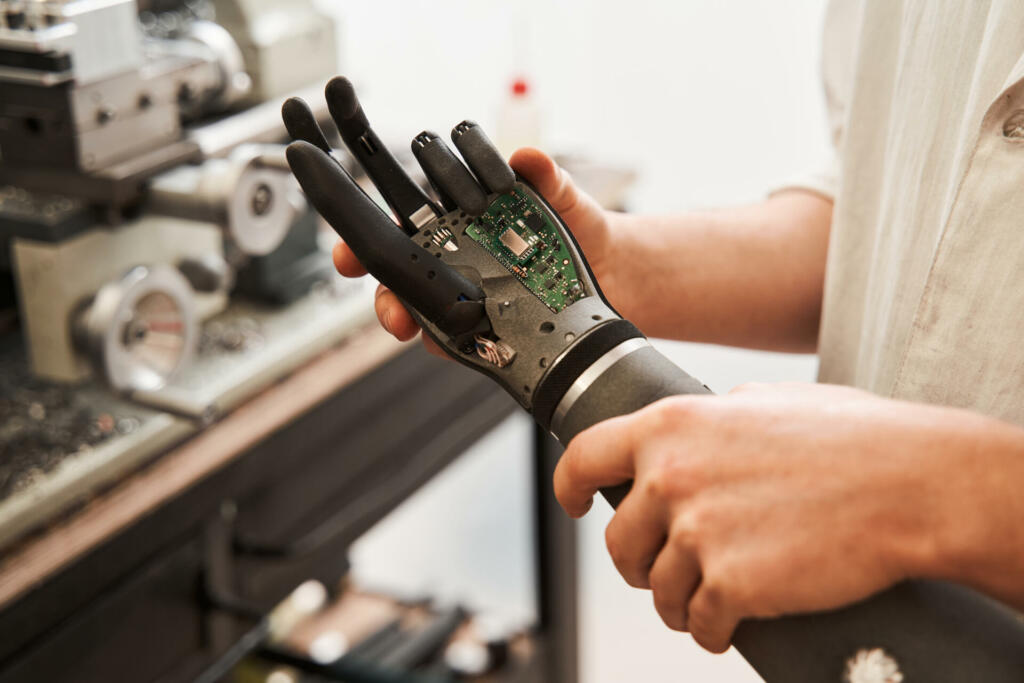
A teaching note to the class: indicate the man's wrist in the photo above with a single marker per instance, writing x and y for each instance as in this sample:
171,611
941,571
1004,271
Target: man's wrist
613,266
977,538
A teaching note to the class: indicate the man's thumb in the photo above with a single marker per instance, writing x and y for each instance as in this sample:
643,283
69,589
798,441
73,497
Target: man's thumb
551,181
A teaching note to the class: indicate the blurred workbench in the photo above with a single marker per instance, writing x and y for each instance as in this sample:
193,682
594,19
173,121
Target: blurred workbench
158,576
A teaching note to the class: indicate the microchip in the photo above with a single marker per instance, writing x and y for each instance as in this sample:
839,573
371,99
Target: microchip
535,221
517,230
514,243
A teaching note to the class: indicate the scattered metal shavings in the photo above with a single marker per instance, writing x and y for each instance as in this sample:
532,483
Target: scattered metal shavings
42,423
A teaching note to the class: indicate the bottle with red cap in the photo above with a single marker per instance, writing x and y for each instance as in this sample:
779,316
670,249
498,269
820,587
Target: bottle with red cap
519,121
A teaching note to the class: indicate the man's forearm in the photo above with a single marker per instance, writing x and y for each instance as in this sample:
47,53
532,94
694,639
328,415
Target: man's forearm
750,276
978,516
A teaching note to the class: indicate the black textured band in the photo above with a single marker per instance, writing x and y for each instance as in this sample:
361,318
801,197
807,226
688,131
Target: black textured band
584,353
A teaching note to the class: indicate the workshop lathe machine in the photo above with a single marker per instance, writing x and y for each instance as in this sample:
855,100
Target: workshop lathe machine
158,262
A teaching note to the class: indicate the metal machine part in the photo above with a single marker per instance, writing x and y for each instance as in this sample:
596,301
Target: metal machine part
92,126
106,93
141,330
54,278
55,41
207,272
100,142
260,123
248,194
274,37
235,83
218,81
49,217
97,99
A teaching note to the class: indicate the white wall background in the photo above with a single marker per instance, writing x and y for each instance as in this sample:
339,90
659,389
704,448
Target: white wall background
712,103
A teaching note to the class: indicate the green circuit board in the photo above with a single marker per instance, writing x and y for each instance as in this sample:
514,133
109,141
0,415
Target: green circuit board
519,234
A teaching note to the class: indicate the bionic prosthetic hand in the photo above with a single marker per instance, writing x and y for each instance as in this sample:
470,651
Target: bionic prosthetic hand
494,276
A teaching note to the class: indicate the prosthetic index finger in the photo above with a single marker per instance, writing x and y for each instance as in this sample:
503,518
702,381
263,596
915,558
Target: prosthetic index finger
409,202
434,289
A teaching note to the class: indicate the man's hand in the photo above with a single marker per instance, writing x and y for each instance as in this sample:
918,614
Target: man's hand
796,498
587,220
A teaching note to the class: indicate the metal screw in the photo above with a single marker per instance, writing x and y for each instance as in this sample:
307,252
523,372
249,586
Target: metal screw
262,199
104,115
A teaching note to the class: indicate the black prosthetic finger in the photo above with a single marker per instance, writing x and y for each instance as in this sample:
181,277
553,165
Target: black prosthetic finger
449,174
301,123
438,292
483,157
346,110
446,202
409,202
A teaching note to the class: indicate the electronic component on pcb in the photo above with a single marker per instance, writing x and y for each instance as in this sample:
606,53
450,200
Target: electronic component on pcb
515,243
535,221
443,238
514,230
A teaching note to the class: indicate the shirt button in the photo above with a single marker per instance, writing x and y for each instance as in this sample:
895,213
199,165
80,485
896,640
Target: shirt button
1014,126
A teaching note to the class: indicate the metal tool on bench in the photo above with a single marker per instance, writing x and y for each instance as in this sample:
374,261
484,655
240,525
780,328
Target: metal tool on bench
495,277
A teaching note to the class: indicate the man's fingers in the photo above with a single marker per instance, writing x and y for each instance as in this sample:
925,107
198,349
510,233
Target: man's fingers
712,619
599,457
635,535
673,578
346,262
393,316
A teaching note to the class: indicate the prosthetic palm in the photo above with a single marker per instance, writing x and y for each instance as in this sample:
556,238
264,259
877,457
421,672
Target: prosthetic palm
493,275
